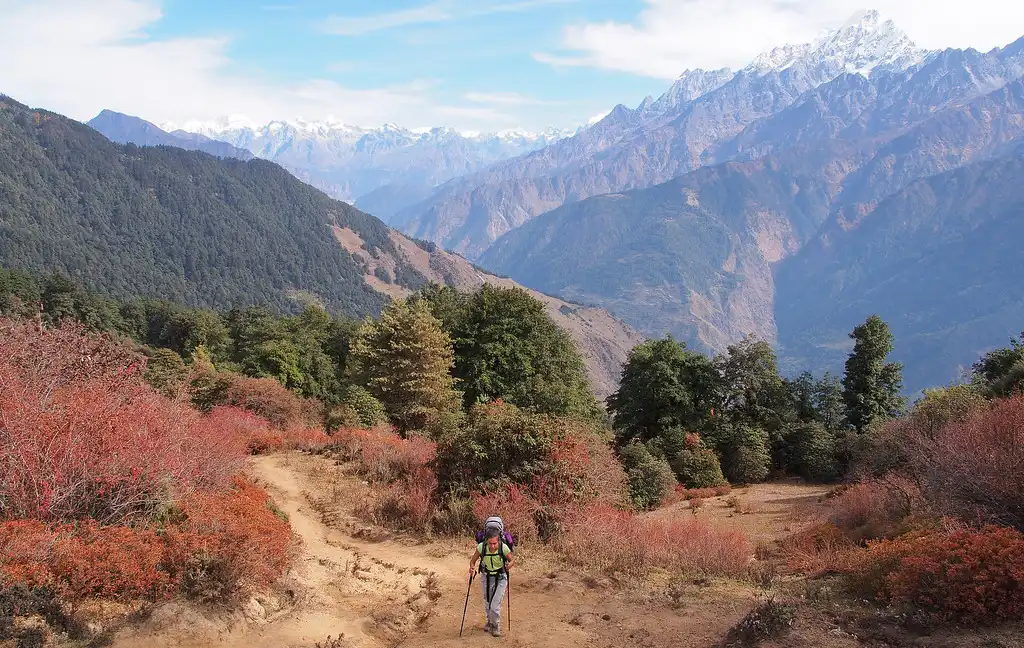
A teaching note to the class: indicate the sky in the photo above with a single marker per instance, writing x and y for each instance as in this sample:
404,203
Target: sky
482,65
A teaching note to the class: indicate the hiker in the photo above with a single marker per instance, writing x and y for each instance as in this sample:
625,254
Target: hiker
495,558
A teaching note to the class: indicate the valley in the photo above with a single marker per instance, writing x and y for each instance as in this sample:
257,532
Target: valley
314,316
697,213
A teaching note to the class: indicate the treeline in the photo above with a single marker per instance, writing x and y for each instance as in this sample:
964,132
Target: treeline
429,362
426,358
681,415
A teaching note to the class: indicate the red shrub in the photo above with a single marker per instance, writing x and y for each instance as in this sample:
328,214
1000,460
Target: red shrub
820,549
876,508
252,429
383,455
105,445
971,576
514,504
305,438
267,398
109,562
681,494
239,530
971,469
618,541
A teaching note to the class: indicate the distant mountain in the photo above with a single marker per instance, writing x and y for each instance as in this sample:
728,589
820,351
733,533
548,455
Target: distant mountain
939,260
772,244
349,162
636,148
166,222
124,129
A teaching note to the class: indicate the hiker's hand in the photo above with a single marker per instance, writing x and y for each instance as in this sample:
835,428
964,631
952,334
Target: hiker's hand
471,571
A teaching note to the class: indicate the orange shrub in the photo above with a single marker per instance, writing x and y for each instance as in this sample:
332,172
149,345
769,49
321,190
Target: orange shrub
618,541
109,562
233,537
969,576
225,542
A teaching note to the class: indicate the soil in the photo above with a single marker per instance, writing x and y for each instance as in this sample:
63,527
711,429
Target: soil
370,587
354,580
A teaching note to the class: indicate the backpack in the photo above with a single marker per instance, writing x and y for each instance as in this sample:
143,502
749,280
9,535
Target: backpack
496,522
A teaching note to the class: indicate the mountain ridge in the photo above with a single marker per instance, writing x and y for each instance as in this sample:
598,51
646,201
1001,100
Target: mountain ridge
180,224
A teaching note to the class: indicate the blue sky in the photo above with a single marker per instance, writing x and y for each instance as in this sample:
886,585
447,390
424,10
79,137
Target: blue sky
470,64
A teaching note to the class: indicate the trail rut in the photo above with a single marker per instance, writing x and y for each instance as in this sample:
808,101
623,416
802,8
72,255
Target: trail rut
385,592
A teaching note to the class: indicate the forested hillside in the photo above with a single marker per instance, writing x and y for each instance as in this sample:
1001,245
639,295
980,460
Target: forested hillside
178,224
164,222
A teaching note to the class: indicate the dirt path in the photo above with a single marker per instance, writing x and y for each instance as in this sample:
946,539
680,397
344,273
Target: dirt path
390,593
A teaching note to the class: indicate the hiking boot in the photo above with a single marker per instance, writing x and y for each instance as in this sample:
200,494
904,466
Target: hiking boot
496,631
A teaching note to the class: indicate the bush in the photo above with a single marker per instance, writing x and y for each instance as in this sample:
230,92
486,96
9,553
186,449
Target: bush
813,454
216,545
697,466
747,459
267,398
971,576
498,442
613,541
369,411
382,455
971,468
85,437
650,483
880,508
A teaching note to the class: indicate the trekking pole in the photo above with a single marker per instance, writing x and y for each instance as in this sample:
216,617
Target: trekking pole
508,594
466,606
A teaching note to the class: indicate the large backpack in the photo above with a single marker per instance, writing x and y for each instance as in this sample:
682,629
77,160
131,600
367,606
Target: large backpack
496,522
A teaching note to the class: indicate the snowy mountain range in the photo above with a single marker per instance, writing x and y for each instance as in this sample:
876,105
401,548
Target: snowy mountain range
390,166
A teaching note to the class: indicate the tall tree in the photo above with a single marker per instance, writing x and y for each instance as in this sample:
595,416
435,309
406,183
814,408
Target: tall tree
507,347
404,359
751,389
664,386
871,386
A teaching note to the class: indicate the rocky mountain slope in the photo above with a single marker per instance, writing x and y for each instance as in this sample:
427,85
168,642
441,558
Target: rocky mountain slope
939,260
398,165
656,141
704,256
166,222
123,129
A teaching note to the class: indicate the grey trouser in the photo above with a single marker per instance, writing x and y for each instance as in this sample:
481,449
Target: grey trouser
494,592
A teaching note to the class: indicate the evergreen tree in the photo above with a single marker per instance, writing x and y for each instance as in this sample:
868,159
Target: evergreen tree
871,386
404,360
664,386
507,347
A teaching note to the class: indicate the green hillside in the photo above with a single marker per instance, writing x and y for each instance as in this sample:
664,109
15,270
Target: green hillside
182,225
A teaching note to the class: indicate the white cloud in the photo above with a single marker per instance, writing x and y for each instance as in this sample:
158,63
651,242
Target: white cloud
77,58
670,36
354,25
507,98
434,12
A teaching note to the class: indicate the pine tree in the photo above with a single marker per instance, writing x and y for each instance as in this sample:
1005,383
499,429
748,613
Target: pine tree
404,360
871,386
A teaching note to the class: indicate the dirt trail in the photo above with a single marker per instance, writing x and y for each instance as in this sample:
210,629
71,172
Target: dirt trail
388,593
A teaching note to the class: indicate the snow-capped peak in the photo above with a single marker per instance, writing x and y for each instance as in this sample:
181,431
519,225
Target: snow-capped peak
690,85
863,43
